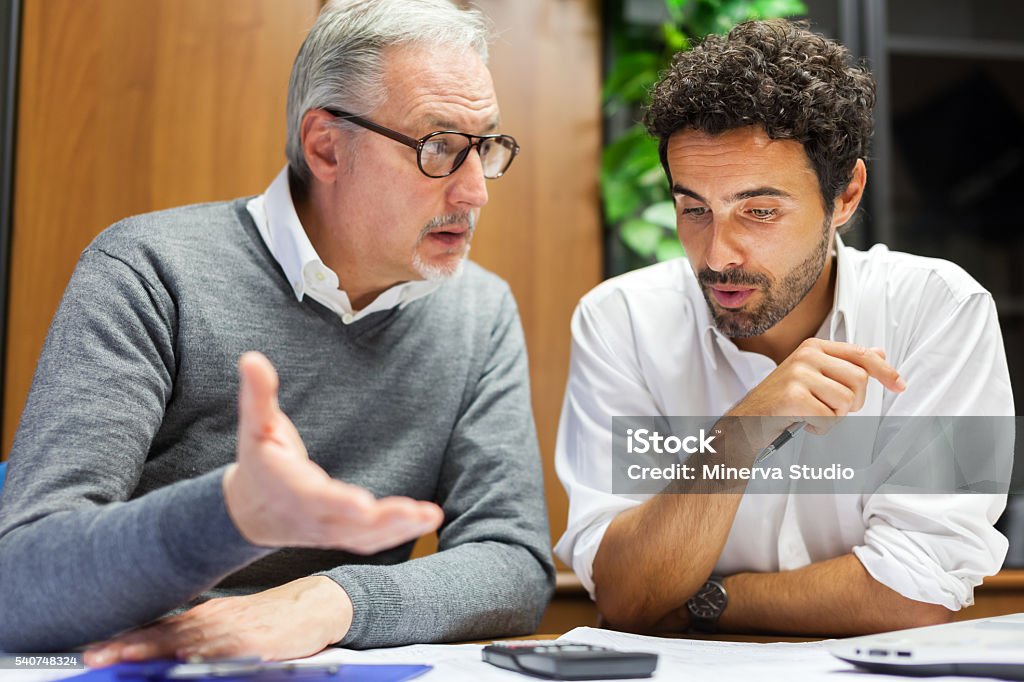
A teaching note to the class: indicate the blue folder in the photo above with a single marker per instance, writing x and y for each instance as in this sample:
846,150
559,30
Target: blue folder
156,671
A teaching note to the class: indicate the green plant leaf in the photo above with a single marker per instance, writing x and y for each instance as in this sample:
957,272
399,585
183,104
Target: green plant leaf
771,9
662,213
620,198
675,40
702,20
730,13
631,76
654,178
641,236
677,9
632,159
615,154
642,158
669,248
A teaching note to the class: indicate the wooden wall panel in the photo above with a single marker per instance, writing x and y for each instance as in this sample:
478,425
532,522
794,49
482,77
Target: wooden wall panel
127,106
542,228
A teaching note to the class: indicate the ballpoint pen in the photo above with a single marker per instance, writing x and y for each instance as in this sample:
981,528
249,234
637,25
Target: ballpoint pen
783,438
236,668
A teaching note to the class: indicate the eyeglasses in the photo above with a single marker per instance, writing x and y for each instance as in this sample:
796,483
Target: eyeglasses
440,153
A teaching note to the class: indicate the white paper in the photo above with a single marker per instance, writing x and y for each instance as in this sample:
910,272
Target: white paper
452,662
678,659
693,659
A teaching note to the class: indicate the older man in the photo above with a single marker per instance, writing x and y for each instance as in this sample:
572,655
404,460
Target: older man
138,485
768,320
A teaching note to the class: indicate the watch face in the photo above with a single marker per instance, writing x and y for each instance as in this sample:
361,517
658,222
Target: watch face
708,603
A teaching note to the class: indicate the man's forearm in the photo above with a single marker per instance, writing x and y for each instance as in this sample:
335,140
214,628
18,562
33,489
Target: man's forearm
837,597
79,576
656,556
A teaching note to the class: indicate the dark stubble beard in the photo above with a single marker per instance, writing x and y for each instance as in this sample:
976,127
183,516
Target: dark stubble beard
778,299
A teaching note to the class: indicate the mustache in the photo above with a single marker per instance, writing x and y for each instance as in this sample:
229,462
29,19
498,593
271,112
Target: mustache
734,276
466,218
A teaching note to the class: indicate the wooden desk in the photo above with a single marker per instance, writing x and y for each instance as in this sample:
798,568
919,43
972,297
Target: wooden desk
1001,594
571,607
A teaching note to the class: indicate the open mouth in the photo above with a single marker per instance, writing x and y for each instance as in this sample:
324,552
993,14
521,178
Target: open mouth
730,297
450,237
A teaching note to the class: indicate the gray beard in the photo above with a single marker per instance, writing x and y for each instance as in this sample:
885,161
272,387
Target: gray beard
436,273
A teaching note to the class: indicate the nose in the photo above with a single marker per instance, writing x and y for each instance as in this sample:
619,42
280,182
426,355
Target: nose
468,187
723,251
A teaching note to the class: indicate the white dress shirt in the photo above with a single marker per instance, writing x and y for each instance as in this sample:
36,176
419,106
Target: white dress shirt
278,224
645,343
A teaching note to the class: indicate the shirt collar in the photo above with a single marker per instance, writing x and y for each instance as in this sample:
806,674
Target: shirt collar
844,311
284,235
840,320
278,224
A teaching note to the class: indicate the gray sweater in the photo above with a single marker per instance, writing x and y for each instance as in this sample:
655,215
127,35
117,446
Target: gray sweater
113,513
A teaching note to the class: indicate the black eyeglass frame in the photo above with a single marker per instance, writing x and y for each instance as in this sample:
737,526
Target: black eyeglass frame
474,141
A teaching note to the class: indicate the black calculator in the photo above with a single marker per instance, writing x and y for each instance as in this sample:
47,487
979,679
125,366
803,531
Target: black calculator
569,661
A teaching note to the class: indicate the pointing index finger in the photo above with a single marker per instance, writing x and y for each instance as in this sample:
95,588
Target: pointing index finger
872,360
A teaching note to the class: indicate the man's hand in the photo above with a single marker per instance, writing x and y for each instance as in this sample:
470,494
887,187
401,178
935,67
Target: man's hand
293,620
819,382
277,497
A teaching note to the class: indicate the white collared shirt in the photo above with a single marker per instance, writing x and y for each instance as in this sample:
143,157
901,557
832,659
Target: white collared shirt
278,224
645,343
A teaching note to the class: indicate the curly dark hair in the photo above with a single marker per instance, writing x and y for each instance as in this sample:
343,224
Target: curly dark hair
782,76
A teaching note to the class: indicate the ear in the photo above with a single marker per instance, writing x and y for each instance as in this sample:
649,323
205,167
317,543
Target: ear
847,202
319,146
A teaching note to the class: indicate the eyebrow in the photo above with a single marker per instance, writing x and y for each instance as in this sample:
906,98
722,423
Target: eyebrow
448,124
678,189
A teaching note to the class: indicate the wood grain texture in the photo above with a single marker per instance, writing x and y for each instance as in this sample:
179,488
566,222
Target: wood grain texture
127,107
542,229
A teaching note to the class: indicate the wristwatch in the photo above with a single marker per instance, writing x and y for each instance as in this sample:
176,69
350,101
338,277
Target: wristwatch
707,605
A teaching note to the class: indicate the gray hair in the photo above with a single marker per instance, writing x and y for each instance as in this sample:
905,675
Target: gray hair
341,64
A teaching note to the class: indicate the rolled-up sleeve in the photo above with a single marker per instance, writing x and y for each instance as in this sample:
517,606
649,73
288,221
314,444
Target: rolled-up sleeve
937,548
933,548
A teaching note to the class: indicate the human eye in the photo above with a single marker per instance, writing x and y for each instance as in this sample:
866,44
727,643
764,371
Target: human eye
694,212
436,147
763,214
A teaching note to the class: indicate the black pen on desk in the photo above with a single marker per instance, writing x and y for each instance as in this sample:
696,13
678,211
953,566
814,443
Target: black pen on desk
246,668
783,438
